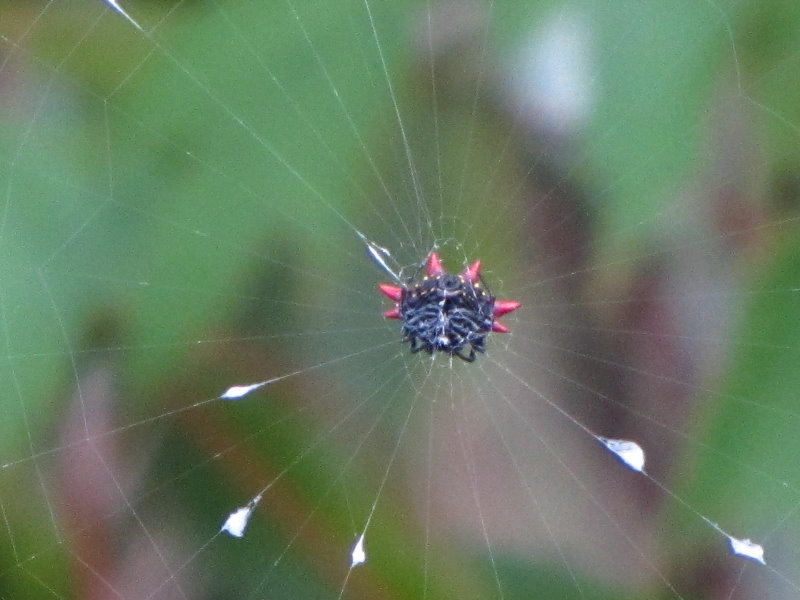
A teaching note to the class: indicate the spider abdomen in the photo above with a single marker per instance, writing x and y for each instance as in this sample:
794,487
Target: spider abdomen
447,313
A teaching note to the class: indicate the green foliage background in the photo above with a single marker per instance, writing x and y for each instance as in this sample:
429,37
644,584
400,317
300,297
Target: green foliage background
139,217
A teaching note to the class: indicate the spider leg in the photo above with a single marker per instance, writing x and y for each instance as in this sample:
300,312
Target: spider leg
470,358
416,346
479,344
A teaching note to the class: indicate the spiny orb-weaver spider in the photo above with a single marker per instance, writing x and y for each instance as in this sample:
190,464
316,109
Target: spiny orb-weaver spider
443,312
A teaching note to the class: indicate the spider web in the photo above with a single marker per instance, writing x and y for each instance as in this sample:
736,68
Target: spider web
201,398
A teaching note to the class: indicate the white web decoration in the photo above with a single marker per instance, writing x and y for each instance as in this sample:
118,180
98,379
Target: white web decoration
117,7
198,202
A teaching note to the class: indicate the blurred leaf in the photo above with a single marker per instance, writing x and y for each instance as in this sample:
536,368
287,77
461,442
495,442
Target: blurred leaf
748,433
521,579
657,65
